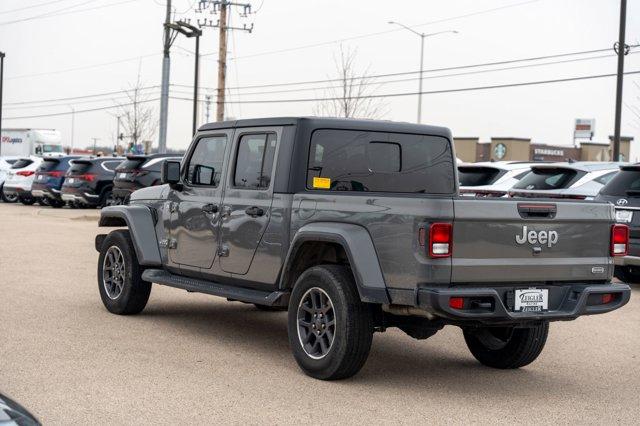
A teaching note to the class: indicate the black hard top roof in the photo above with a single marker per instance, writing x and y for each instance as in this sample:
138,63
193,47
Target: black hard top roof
149,156
333,123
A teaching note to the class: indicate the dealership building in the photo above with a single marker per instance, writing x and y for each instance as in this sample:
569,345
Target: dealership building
470,149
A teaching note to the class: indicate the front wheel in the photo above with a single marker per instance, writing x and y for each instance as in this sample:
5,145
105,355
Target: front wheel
27,200
330,329
122,289
507,347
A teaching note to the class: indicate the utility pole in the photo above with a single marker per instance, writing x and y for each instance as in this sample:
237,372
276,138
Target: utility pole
164,89
2,55
222,62
621,49
95,141
73,119
223,6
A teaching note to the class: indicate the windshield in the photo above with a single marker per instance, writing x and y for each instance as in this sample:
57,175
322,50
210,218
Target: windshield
623,182
79,168
23,162
48,165
51,148
476,176
130,164
549,178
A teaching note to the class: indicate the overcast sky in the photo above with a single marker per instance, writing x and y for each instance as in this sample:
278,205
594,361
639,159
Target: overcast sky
84,47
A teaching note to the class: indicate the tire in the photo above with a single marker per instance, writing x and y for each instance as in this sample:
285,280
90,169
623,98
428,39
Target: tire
107,199
133,293
627,274
266,308
507,347
27,200
43,201
56,204
7,198
352,328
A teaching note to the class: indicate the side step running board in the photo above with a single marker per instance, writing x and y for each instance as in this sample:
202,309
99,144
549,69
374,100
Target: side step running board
159,276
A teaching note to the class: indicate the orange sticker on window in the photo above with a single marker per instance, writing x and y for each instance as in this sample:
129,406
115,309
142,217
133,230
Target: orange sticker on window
321,183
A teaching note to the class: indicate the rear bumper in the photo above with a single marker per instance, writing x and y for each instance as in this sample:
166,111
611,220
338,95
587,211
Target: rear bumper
124,193
16,190
40,190
627,261
80,196
566,303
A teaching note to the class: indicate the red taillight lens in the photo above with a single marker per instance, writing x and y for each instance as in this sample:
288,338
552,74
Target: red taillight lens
619,240
56,173
25,173
607,298
89,177
440,235
456,302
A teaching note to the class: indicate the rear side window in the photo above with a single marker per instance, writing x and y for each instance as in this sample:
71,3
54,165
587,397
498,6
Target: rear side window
626,182
476,176
549,178
130,164
205,164
79,168
254,161
48,165
23,162
351,160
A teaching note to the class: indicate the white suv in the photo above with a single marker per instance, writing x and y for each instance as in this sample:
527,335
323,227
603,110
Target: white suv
5,164
19,179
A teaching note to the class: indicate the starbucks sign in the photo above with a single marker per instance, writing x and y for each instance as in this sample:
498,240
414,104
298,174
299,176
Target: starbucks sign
499,151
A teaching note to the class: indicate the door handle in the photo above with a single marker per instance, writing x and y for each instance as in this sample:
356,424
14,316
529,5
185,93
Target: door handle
254,211
210,208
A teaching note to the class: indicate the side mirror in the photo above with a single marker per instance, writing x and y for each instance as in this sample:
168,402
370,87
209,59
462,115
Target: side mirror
171,173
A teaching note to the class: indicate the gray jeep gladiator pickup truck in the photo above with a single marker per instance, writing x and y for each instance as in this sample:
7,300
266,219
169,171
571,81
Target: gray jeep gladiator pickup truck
355,226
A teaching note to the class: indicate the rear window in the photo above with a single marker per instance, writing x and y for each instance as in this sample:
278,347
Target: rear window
549,178
476,176
351,160
623,183
131,164
48,165
79,168
23,162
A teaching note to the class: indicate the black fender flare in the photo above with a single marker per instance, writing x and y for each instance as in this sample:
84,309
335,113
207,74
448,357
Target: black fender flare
141,223
357,243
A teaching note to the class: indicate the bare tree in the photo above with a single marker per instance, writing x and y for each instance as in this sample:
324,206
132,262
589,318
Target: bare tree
138,119
348,96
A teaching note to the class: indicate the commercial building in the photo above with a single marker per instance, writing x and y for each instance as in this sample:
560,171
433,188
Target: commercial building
470,149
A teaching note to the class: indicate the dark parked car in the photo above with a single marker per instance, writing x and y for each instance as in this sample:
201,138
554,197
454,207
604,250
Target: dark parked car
138,171
49,179
623,191
89,182
12,413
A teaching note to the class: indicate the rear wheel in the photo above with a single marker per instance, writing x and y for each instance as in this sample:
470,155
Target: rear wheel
27,200
8,198
507,347
56,204
627,274
330,329
107,198
122,289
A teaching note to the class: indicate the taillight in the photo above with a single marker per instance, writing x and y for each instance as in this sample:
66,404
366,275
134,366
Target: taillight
25,173
56,173
89,177
619,240
440,236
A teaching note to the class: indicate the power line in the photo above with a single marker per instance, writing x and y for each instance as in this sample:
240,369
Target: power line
432,92
115,92
50,13
326,43
47,3
80,111
53,14
452,68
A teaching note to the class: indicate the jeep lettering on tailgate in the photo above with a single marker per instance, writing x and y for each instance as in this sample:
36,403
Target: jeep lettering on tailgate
550,238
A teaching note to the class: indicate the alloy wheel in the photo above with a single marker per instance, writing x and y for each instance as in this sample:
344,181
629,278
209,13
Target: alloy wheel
316,323
113,272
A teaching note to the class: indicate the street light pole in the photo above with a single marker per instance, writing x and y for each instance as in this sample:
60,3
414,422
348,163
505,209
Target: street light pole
422,36
2,55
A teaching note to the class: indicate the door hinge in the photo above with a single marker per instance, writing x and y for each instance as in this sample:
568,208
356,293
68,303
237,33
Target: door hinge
223,251
173,243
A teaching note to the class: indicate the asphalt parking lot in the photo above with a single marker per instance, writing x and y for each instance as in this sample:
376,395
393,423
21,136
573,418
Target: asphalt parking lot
191,358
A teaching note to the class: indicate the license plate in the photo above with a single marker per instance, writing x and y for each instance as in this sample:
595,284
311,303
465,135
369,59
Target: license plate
624,216
40,177
532,300
122,175
71,180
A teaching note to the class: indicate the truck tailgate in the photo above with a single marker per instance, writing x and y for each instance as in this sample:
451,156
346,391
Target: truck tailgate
507,240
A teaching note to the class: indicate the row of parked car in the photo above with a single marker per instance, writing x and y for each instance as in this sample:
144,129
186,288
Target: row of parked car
77,181
615,183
